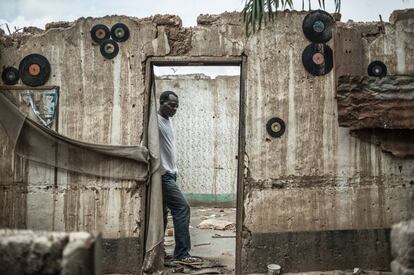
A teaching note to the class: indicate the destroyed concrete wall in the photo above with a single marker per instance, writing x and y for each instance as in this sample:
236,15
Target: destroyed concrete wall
29,252
402,247
101,101
317,198
374,118
314,199
358,44
206,126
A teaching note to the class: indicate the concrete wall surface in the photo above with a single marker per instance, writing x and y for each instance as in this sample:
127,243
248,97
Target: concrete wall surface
206,126
314,199
402,247
100,101
317,197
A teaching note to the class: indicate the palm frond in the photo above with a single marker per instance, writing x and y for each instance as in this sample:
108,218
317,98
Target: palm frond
337,5
258,12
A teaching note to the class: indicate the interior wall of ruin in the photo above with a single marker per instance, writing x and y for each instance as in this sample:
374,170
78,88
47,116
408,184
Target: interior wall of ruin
314,199
206,127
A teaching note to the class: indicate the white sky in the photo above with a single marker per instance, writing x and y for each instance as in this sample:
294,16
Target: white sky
21,13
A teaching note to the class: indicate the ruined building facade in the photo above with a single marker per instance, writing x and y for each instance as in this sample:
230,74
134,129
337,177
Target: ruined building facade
317,198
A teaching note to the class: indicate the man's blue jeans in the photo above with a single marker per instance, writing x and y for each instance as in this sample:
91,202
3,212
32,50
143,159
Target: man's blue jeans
174,200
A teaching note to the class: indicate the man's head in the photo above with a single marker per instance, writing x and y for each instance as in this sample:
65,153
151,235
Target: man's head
168,104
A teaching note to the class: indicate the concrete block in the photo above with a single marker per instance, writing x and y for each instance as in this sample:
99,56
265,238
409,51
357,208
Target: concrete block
397,268
42,252
402,246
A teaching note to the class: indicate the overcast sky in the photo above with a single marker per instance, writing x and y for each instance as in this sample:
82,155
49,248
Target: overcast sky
22,13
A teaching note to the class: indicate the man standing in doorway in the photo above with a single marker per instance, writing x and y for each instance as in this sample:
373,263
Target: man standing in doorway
173,199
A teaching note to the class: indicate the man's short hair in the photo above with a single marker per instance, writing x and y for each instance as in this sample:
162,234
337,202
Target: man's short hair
166,96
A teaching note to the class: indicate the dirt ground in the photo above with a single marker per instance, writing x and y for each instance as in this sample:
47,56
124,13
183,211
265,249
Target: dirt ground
219,253
216,247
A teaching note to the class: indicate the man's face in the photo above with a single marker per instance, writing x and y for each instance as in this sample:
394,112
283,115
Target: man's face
169,107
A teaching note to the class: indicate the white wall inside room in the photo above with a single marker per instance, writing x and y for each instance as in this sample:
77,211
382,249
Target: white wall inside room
206,127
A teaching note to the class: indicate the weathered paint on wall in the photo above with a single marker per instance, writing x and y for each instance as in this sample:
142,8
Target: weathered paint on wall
333,197
206,127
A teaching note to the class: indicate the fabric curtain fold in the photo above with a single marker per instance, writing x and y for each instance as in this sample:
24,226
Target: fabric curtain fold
141,163
154,245
40,144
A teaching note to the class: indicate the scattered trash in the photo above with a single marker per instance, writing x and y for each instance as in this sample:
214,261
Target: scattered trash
208,271
217,224
171,264
214,219
357,271
273,269
226,253
217,236
178,269
170,232
201,244
205,266
192,265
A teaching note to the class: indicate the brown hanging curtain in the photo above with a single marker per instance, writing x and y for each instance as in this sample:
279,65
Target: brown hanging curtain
154,237
40,144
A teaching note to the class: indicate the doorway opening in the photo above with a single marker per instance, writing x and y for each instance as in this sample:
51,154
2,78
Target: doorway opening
209,134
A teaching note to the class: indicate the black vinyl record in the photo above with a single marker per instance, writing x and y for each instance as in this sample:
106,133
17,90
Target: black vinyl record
109,48
377,68
317,59
100,33
10,76
34,70
119,32
275,127
317,26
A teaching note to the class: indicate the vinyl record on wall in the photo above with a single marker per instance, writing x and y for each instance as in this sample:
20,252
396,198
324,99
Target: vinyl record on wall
377,68
109,48
34,70
317,26
10,76
317,59
100,33
275,127
119,32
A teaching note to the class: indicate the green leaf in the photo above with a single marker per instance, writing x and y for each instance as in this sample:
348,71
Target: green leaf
257,11
269,9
